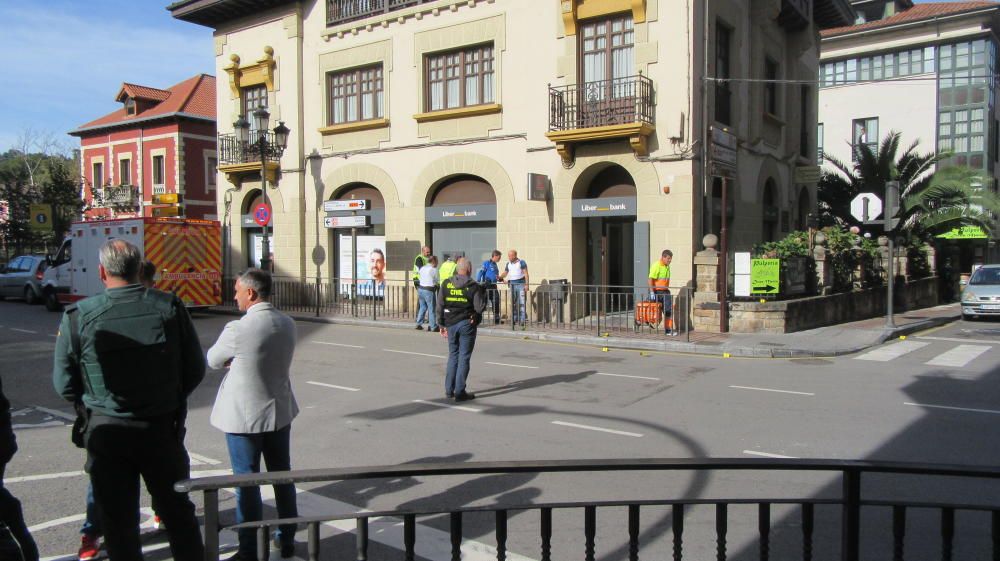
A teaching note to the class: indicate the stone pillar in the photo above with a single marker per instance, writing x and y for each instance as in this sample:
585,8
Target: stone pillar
707,315
824,266
931,259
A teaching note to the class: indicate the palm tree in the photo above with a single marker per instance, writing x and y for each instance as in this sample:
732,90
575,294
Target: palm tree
931,202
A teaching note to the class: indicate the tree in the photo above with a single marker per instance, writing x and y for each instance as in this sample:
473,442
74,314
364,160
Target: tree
34,148
59,188
931,202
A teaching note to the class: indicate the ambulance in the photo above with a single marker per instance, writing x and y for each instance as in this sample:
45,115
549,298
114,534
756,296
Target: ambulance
187,254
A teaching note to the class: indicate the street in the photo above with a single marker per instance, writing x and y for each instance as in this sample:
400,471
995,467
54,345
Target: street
375,396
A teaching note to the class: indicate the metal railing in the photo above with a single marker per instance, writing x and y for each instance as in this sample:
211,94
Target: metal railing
601,310
234,151
343,11
606,102
850,502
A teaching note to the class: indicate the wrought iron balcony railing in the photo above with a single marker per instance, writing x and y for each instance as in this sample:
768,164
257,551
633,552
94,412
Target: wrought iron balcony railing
116,196
617,101
233,151
343,11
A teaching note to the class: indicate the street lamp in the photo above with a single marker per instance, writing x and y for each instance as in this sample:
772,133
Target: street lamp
242,129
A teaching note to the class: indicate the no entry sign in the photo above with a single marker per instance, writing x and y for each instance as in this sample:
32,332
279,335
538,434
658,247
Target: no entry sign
262,214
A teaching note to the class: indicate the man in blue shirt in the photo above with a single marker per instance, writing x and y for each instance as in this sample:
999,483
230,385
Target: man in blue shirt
488,275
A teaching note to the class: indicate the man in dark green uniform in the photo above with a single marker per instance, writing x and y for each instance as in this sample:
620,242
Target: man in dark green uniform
460,310
131,357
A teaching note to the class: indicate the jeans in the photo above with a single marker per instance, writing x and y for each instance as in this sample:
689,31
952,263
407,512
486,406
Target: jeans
13,517
92,524
427,300
245,451
120,451
668,301
518,295
461,342
493,300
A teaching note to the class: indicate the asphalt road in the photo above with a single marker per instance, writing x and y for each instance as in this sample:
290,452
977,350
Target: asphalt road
372,396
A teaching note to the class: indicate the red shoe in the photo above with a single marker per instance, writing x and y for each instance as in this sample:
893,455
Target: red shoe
90,547
157,522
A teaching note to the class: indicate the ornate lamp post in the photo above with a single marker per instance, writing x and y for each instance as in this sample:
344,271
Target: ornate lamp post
242,129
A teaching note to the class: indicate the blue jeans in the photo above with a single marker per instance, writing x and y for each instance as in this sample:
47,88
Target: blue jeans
427,300
461,342
245,451
518,293
667,301
91,524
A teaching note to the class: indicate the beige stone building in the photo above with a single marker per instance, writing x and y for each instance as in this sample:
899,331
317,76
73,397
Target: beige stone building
440,111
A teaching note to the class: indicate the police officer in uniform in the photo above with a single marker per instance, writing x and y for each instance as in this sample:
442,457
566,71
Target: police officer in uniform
418,262
460,310
131,356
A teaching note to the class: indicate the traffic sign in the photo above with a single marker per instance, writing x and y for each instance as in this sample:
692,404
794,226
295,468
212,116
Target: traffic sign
166,199
353,204
964,233
765,275
162,211
262,214
891,205
41,217
866,207
345,221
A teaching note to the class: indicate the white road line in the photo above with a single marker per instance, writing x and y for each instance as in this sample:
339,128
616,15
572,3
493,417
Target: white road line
959,356
889,352
412,353
53,336
55,413
24,330
959,340
345,388
44,476
18,426
770,390
339,345
447,406
511,365
967,409
767,454
203,460
57,522
626,376
598,429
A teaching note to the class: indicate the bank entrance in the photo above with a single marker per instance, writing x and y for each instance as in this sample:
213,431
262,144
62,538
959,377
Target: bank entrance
461,216
604,219
370,238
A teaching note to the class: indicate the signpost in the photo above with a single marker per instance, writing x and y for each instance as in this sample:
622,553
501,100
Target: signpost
807,174
41,217
345,221
262,214
891,208
765,275
722,153
964,233
353,204
866,207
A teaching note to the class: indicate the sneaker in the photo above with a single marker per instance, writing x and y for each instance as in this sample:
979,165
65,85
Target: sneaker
420,327
90,547
157,522
287,550
465,396
241,557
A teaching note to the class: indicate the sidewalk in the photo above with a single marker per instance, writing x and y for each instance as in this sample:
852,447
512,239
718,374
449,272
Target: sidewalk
834,340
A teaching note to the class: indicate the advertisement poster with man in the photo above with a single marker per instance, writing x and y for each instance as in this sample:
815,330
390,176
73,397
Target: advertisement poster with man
370,266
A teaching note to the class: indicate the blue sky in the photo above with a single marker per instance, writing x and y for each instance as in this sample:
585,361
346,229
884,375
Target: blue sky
66,62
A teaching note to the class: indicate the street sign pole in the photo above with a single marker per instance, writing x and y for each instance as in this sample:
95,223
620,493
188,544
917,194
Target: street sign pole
889,322
891,208
724,266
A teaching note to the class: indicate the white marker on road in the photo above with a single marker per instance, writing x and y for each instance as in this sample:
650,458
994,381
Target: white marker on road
345,388
413,353
55,413
44,476
24,330
959,356
198,459
447,406
959,340
598,429
950,408
770,390
627,376
511,365
338,345
889,352
768,455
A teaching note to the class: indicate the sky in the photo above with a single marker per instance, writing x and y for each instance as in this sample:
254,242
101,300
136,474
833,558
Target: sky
65,59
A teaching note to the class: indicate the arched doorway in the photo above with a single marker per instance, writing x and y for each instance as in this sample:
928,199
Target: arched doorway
605,206
369,238
805,207
461,214
769,227
253,234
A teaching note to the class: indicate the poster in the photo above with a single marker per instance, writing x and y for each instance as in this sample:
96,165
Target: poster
370,265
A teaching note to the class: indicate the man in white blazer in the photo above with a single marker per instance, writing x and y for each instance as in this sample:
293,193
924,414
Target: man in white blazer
255,405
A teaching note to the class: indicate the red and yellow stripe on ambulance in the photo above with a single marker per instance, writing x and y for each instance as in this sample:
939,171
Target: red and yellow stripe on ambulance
188,259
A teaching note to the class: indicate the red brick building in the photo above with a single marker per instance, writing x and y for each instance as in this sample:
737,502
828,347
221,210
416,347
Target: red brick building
160,142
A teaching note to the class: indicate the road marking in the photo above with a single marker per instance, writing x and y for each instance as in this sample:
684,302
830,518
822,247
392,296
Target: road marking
447,406
345,388
959,356
960,340
511,365
198,459
44,476
55,413
598,429
339,345
967,409
57,522
768,455
770,390
18,426
413,353
626,376
24,330
889,352
54,336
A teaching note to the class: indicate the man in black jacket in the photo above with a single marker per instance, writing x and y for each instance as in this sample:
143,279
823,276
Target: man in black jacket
10,507
460,310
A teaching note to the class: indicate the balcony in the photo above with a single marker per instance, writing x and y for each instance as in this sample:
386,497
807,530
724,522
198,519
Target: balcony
343,11
238,159
601,110
118,197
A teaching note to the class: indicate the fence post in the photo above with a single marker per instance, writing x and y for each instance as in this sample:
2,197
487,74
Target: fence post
850,548
317,296
707,309
211,524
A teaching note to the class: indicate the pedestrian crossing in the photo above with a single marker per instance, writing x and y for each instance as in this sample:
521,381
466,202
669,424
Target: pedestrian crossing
937,351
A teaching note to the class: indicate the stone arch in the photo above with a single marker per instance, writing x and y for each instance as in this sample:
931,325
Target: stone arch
769,170
464,164
361,173
576,179
246,196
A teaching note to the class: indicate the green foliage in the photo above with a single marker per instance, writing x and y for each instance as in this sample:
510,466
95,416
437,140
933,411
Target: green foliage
56,184
795,244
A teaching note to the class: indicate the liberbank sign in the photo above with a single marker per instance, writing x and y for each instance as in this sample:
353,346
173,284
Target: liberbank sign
460,213
605,206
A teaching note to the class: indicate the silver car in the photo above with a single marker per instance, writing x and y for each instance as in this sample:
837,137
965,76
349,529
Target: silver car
981,297
22,278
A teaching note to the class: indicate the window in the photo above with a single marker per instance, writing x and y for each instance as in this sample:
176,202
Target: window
459,78
252,98
819,144
212,170
98,177
158,170
770,86
130,106
125,172
723,95
865,133
355,95
804,99
607,47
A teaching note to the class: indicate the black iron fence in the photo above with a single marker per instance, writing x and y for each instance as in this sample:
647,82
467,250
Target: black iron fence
343,11
554,305
605,102
850,503
235,151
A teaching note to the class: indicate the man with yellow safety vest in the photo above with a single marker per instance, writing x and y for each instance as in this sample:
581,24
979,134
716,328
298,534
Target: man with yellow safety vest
460,308
447,269
419,261
659,288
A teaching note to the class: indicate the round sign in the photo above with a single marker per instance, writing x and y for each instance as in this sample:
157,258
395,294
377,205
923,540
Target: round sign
41,218
262,214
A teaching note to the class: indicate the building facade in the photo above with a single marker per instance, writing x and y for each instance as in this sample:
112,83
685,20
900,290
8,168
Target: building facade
572,130
155,156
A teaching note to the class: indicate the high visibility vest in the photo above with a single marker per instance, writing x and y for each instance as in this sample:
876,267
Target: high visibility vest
418,262
447,270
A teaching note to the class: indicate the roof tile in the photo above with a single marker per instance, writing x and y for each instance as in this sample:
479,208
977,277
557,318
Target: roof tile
195,96
916,13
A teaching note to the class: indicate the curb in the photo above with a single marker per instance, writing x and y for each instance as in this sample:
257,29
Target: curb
622,343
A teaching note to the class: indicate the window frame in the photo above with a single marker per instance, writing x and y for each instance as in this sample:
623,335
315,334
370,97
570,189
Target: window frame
772,73
125,170
872,145
482,61
159,169
723,71
255,95
97,174
377,82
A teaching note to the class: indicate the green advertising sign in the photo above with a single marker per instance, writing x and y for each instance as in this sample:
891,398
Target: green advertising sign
965,233
764,276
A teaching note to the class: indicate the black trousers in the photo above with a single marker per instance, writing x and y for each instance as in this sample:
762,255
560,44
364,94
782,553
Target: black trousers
122,450
493,300
13,517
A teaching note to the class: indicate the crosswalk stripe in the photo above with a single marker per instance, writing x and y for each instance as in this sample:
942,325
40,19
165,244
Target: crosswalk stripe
889,352
958,356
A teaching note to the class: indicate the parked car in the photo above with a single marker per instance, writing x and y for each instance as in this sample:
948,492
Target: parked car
22,278
981,296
